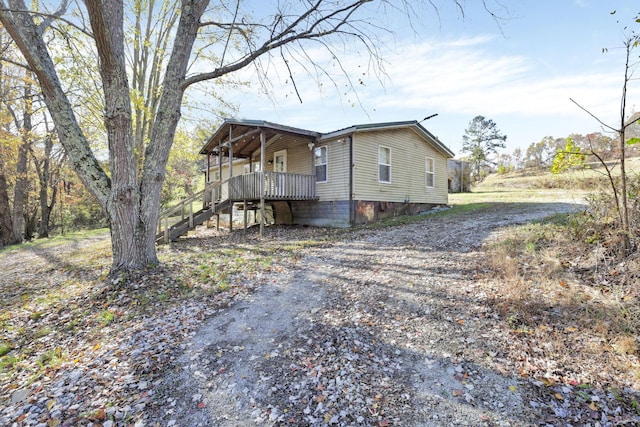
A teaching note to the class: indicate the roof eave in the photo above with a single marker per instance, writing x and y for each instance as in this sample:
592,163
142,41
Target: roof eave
439,144
414,124
207,147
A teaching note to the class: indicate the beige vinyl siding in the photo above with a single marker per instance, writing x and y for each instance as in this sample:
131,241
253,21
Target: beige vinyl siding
299,157
337,185
408,154
238,169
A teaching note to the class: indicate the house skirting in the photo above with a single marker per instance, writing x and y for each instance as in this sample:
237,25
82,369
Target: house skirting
375,211
321,214
337,213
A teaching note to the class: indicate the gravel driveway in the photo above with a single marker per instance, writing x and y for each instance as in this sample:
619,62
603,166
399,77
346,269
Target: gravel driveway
384,327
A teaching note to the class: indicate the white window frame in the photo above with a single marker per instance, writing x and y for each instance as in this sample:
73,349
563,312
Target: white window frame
282,153
430,173
380,164
325,164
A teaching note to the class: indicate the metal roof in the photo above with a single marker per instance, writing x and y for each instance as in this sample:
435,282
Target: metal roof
246,140
412,124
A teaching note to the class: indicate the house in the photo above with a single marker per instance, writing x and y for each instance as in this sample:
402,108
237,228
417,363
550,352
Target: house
354,175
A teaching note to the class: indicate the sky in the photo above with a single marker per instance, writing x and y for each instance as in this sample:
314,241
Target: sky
520,72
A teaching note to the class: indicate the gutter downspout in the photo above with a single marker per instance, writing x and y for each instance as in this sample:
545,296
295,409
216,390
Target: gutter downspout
352,211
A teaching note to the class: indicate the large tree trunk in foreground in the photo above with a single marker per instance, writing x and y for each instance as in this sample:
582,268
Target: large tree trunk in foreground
166,122
123,202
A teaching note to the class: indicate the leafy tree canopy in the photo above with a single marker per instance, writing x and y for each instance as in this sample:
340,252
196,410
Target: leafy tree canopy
482,139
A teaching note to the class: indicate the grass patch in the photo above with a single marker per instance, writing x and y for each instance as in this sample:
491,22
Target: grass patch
548,292
8,362
5,348
42,332
67,239
106,317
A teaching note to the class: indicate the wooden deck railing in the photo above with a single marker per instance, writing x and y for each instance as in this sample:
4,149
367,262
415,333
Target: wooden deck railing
249,187
276,185
185,209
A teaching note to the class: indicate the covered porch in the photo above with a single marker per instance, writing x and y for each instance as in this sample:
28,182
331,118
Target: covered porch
251,163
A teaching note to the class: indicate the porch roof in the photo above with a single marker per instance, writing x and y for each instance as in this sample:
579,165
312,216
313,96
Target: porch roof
245,136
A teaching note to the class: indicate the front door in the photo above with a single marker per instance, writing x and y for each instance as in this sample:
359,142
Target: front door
280,165
280,161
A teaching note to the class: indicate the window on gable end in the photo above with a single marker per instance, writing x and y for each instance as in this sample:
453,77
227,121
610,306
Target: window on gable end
384,164
430,172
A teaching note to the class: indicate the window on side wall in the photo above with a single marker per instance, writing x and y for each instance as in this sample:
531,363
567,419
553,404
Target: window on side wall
320,156
430,172
384,164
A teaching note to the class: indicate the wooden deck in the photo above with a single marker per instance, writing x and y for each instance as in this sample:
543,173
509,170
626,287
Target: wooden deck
220,196
263,185
272,186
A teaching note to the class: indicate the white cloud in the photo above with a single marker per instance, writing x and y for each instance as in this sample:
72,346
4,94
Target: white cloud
470,77
458,78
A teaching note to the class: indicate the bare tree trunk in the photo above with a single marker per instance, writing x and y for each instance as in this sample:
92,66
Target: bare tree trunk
626,230
45,215
30,220
22,180
166,122
124,200
6,224
43,169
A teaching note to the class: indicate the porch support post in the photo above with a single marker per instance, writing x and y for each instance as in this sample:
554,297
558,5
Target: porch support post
262,154
230,176
230,152
220,161
244,211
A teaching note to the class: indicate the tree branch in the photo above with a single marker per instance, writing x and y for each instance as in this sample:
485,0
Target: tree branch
289,35
49,17
592,115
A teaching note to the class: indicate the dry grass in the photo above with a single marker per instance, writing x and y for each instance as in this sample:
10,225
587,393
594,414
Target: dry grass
566,298
539,185
550,293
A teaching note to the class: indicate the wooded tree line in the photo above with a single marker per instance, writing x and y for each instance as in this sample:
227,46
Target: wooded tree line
31,163
40,193
483,140
542,153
